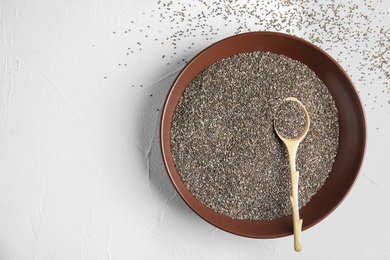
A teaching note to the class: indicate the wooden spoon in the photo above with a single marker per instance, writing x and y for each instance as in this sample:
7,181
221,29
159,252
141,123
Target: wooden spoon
292,147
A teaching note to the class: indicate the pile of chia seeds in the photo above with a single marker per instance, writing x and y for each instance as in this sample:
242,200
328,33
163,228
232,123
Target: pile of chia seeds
223,141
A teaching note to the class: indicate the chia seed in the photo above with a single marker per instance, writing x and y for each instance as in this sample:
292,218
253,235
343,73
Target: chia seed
224,145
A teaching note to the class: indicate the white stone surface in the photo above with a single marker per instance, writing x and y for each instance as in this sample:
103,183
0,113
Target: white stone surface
82,87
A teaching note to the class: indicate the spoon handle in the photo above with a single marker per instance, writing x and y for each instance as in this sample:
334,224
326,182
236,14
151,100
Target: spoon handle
295,211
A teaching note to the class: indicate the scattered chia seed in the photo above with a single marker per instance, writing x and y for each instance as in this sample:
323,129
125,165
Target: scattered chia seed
344,29
224,145
290,119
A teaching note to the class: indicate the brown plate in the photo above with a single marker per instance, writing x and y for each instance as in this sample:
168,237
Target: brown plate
351,120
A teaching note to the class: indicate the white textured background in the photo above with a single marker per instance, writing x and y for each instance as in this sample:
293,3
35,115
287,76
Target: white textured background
82,87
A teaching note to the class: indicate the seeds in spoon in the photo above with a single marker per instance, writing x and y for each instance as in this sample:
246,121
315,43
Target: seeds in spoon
290,119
